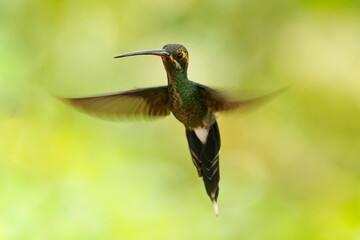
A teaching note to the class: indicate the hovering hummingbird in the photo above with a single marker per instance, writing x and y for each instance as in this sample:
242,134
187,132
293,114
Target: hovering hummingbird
191,103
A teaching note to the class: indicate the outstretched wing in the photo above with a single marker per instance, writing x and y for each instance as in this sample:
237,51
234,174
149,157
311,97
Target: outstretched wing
217,102
146,102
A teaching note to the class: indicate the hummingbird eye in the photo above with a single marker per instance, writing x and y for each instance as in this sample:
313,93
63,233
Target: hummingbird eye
179,56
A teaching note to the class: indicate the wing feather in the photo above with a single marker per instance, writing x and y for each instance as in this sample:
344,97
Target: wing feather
146,102
218,102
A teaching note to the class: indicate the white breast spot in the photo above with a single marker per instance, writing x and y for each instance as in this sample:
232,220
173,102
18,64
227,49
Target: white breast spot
202,134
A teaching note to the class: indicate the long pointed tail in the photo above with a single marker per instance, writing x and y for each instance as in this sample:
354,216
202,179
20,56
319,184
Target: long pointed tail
204,147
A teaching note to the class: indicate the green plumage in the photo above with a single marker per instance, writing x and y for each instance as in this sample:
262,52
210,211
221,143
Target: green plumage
187,105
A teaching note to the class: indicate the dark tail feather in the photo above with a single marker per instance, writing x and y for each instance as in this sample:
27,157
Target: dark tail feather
205,157
196,147
210,166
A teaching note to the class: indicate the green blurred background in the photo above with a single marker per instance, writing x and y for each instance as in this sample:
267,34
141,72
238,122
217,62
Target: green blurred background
290,170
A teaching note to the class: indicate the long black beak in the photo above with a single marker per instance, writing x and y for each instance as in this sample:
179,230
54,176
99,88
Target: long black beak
161,53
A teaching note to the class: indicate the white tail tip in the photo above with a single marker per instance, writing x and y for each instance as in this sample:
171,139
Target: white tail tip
215,207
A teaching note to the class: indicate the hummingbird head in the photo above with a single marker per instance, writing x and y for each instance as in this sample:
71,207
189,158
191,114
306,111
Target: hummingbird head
174,56
178,58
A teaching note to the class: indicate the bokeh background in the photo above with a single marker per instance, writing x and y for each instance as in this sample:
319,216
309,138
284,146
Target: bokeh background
290,170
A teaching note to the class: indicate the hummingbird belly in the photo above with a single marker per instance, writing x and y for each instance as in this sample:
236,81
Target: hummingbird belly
186,104
192,115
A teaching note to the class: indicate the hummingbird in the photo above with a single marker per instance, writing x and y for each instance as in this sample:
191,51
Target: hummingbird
193,104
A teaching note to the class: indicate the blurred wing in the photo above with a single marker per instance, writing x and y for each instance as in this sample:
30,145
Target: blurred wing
147,102
217,102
